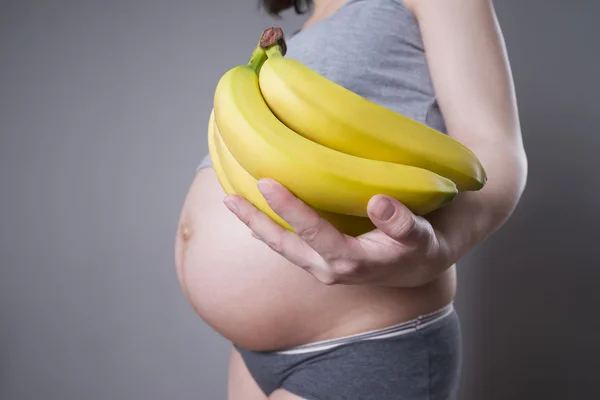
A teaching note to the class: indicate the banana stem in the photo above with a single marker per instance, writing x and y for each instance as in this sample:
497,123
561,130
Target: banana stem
274,51
257,59
273,42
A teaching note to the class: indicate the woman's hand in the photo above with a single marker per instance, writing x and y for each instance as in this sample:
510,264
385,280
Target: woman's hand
404,250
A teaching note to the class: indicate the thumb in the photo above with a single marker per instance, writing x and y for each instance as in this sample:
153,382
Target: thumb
397,221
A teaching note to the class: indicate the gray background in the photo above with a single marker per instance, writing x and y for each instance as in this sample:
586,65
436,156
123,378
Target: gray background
103,108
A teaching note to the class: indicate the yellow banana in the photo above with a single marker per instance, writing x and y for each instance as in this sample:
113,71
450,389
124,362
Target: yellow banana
216,159
235,179
324,178
329,114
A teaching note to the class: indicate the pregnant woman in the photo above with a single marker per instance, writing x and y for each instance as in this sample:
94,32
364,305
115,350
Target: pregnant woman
319,315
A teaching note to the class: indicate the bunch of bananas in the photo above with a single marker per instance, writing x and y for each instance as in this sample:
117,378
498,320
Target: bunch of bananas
276,118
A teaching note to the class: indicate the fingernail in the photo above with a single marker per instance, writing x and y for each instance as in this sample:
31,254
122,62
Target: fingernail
265,187
230,204
383,209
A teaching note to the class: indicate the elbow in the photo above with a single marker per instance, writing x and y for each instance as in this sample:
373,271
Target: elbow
511,182
507,169
521,173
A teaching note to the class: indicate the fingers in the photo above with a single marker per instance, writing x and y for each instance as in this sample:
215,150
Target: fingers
398,222
272,234
315,231
401,245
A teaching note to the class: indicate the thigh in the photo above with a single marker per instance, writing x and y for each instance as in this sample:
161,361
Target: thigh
240,384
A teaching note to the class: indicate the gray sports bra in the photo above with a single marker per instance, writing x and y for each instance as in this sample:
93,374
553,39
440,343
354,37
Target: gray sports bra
374,48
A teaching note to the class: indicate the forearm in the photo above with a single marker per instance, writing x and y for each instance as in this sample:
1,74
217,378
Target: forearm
474,216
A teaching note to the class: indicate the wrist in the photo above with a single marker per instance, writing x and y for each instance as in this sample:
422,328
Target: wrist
448,252
423,269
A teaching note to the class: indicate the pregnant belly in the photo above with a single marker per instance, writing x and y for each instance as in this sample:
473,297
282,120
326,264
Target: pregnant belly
258,300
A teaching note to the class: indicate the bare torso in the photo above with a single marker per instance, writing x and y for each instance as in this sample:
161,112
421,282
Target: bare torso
260,301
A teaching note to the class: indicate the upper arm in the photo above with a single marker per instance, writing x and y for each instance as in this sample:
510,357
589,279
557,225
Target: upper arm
470,70
472,79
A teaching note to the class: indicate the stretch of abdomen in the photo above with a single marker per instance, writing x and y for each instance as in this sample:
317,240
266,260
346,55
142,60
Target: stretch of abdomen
260,301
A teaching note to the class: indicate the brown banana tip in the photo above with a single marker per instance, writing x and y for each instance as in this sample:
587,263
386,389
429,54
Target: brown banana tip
272,36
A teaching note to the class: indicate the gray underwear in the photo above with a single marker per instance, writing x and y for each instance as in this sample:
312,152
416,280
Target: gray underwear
415,360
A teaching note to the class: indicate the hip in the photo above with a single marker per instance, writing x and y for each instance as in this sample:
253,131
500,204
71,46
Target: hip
418,359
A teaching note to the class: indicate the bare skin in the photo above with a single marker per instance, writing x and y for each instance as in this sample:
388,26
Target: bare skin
259,299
